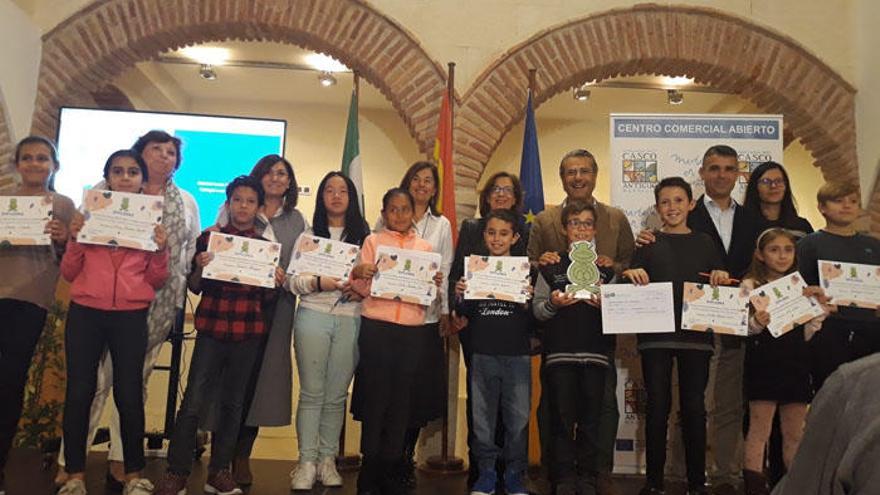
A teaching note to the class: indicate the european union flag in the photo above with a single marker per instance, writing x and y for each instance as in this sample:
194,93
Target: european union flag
530,167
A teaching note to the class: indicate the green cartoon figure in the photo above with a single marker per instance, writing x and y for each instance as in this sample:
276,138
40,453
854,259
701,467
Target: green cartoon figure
852,272
499,267
245,246
13,204
124,205
716,294
777,292
582,271
407,266
328,248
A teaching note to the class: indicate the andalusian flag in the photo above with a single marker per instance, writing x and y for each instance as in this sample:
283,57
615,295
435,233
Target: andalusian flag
530,167
351,153
443,159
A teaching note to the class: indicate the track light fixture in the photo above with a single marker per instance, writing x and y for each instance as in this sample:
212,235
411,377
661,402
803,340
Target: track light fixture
674,97
581,93
326,79
207,72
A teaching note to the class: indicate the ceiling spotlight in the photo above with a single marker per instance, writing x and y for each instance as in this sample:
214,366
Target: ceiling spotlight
326,79
581,93
206,72
674,97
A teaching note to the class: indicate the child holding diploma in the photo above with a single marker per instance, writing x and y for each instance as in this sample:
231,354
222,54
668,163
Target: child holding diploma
576,359
230,323
500,373
679,255
391,343
325,338
848,333
111,291
30,274
777,369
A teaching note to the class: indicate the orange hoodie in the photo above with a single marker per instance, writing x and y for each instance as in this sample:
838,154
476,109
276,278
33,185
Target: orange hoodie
402,313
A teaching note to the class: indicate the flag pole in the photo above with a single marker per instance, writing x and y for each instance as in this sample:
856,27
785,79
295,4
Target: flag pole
532,77
348,461
444,463
357,85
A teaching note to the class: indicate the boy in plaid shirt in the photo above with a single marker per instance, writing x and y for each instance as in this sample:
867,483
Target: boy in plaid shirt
230,322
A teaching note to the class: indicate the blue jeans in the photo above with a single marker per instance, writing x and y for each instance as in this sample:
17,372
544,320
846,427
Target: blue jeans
505,382
211,360
326,355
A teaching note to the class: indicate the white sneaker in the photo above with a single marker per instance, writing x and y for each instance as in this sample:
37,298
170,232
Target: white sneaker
73,487
327,473
304,476
138,486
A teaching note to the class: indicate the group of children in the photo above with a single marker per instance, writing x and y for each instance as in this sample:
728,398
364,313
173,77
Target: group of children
112,288
575,351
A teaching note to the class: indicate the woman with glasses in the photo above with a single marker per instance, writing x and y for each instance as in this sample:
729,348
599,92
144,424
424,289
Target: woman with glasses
768,195
502,191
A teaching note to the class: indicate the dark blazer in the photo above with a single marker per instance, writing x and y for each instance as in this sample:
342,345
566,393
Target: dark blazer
742,241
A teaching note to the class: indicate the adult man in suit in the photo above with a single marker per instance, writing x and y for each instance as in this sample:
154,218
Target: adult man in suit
614,245
735,232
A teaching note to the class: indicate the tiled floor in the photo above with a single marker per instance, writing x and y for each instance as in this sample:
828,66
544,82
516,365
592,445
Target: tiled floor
25,475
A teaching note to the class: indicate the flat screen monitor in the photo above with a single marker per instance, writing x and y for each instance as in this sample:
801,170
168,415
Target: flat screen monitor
215,149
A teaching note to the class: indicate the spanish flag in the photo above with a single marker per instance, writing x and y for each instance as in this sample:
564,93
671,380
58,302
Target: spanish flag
443,159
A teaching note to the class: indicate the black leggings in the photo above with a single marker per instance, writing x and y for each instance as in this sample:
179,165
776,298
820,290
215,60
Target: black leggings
693,375
89,331
22,325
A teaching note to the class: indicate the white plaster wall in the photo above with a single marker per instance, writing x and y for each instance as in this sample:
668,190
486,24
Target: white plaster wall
20,49
867,39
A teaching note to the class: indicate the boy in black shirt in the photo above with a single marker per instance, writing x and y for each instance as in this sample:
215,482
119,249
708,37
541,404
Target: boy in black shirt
849,333
679,255
500,372
575,359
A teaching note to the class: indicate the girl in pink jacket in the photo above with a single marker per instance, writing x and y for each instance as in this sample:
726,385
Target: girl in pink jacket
391,342
111,291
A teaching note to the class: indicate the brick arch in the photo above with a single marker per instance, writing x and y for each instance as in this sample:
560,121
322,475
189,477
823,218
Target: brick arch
108,36
778,75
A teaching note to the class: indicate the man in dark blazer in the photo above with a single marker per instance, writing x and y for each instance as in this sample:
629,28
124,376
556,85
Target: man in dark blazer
735,231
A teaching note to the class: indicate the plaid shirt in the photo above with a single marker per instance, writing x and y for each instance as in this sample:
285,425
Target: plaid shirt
229,311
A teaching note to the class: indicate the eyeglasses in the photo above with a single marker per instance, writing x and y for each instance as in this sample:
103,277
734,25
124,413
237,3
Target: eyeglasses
281,174
574,172
580,224
772,182
502,190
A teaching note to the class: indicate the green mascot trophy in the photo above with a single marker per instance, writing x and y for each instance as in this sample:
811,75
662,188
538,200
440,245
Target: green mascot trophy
582,272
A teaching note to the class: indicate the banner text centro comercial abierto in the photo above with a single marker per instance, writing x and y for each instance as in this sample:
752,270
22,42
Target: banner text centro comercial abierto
646,148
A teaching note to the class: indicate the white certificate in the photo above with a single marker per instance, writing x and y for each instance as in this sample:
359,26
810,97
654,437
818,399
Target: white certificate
405,275
637,308
242,260
784,300
120,219
505,278
851,284
23,220
313,255
715,309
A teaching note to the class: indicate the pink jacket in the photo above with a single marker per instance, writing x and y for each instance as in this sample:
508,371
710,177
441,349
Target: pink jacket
97,283
402,313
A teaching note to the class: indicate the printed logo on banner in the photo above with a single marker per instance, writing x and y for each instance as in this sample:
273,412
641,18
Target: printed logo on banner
635,399
640,169
749,161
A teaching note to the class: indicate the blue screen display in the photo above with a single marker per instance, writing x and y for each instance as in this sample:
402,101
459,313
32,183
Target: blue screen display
212,159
